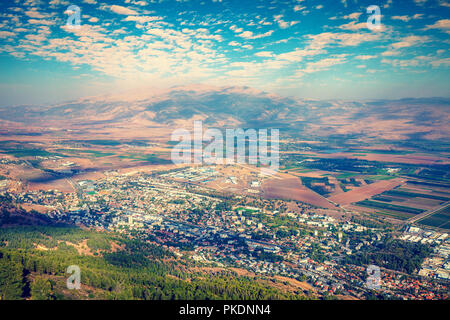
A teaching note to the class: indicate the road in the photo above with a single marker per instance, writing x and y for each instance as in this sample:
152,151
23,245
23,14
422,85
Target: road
75,186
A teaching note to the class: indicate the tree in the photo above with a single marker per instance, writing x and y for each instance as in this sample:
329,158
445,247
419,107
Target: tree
11,279
42,289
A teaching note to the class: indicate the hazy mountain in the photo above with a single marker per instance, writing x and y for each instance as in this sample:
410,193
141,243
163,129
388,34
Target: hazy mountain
246,107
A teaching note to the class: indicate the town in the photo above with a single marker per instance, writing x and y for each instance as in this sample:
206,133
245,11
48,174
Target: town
223,230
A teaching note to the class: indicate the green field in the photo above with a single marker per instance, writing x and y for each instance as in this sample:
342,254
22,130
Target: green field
244,210
440,219
396,215
429,184
152,158
383,151
103,142
380,205
94,153
297,168
347,175
414,195
379,177
383,199
20,153
302,170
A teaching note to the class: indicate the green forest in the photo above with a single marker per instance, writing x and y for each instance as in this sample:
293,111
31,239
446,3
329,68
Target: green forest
34,260
393,254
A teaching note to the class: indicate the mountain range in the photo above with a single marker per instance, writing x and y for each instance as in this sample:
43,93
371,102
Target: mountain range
245,107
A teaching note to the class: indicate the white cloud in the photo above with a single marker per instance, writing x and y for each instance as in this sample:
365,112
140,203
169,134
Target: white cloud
343,39
265,54
441,62
390,53
353,16
236,29
323,64
42,21
410,41
408,18
250,35
419,61
54,3
365,57
284,24
7,34
33,13
122,10
299,8
353,26
142,19
443,25
401,18
138,3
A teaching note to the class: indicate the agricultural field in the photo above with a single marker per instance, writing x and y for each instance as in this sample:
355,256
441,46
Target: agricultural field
440,219
440,176
291,187
82,152
365,192
387,206
320,185
409,199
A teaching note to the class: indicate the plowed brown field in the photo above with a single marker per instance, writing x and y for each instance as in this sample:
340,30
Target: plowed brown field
290,187
365,192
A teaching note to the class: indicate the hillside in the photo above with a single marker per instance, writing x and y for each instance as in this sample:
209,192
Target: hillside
34,259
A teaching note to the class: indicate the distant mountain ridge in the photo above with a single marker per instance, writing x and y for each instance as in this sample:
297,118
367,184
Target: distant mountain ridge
244,107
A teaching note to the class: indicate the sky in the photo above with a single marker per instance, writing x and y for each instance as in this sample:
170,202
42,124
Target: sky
303,48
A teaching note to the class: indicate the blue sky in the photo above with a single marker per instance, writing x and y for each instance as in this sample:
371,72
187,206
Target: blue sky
305,48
